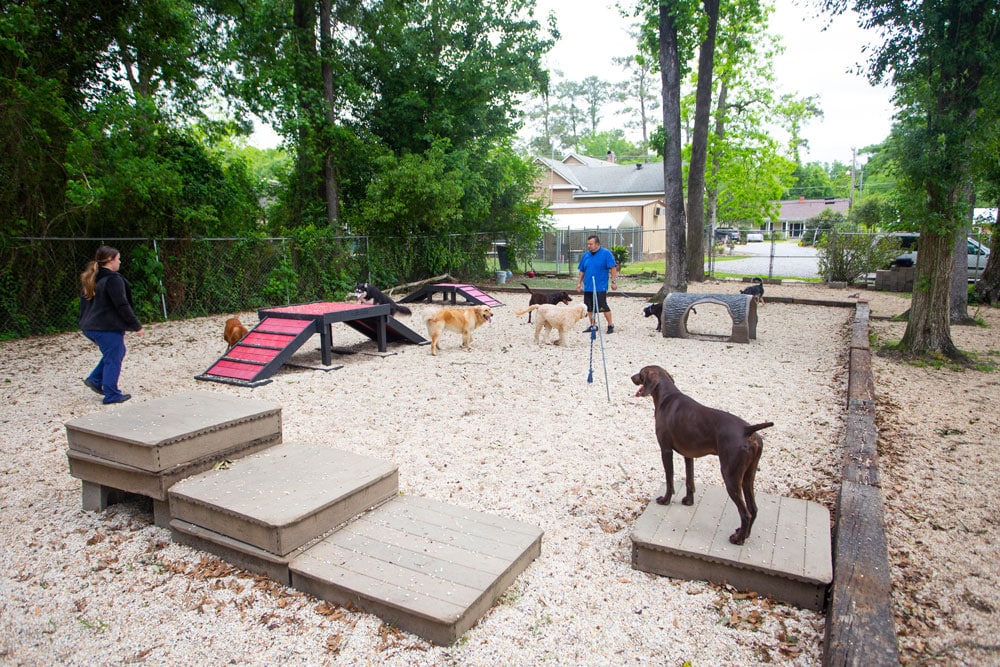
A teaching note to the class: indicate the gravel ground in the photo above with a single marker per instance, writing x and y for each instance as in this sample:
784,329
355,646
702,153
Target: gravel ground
509,428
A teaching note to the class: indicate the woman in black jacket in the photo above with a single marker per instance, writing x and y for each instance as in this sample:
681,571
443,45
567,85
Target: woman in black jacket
106,313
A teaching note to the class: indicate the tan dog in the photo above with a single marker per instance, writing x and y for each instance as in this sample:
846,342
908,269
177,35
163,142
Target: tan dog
234,333
460,320
560,318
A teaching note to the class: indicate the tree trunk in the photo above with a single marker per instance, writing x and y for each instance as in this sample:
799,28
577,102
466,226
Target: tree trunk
928,328
712,198
675,279
699,149
330,190
958,311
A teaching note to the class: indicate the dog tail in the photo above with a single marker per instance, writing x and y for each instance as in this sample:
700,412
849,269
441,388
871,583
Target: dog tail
396,308
526,310
758,280
527,288
748,430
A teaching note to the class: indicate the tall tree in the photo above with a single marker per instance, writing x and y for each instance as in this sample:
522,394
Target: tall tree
639,90
699,146
596,92
943,58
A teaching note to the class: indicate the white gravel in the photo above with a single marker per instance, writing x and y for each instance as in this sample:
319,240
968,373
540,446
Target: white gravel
510,428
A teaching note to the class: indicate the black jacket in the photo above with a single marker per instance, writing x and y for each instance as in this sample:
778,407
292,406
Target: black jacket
111,308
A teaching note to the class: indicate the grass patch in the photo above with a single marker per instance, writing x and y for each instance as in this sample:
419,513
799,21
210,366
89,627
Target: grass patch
984,362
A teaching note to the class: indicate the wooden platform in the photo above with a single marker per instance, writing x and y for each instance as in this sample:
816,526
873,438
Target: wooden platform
787,556
279,499
421,565
145,447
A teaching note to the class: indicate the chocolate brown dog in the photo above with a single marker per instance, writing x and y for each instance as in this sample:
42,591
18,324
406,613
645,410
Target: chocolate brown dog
693,430
538,298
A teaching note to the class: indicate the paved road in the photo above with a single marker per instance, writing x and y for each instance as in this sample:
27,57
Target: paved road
789,259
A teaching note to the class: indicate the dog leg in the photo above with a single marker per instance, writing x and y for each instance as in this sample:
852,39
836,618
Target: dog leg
667,456
467,340
688,481
746,520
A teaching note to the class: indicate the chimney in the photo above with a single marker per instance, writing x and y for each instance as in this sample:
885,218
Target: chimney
611,156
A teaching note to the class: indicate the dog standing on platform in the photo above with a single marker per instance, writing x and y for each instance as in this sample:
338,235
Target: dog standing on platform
694,430
234,332
368,293
463,320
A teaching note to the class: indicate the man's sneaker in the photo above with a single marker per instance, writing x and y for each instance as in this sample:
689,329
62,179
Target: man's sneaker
590,329
94,387
611,328
117,399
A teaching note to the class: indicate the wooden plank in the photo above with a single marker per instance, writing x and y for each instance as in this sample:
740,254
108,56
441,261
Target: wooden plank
860,629
790,546
758,551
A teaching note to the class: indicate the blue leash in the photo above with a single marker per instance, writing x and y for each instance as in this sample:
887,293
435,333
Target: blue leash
594,329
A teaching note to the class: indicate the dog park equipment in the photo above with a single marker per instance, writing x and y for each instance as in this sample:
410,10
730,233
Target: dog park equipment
788,555
742,308
283,330
473,295
144,448
325,521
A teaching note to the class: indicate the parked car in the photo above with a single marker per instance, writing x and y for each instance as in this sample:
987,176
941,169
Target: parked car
727,235
755,237
976,257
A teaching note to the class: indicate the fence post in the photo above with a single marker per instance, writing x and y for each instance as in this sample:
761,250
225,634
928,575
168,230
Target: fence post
163,298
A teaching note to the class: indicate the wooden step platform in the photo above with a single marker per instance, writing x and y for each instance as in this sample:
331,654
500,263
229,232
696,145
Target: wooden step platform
787,556
145,447
449,291
421,565
280,499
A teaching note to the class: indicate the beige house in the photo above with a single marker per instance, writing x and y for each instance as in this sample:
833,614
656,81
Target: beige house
587,193
795,212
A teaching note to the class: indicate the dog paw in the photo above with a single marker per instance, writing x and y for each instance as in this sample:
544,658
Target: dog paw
688,500
737,537
663,500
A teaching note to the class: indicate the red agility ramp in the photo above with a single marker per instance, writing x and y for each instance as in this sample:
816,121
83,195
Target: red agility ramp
283,330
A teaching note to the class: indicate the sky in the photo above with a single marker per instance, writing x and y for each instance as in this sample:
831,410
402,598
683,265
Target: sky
815,62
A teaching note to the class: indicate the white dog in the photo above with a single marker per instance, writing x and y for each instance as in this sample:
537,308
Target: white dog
550,316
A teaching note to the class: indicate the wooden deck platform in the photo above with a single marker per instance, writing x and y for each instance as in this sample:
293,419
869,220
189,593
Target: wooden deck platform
449,291
788,555
424,566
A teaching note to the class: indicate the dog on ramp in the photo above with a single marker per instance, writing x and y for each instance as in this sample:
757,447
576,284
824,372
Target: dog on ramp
691,429
368,293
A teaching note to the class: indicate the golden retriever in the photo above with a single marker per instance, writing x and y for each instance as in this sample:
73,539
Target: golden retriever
234,332
560,318
460,320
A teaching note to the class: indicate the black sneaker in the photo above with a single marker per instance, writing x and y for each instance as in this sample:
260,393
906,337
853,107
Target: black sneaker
117,399
611,328
94,387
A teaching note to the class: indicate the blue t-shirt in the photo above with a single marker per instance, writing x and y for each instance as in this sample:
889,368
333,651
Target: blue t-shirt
596,265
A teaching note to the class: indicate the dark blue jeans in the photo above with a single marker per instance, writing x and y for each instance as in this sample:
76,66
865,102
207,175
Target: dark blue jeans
105,374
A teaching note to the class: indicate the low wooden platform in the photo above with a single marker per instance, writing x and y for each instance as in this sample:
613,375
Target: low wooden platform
424,566
788,555
281,498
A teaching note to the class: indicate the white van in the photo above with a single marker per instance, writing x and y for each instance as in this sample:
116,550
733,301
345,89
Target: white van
976,259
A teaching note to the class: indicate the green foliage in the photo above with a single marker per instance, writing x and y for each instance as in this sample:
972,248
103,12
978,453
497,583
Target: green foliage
621,255
817,226
848,256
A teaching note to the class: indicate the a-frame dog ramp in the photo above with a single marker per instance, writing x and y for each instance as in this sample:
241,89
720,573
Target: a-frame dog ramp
260,353
473,295
283,330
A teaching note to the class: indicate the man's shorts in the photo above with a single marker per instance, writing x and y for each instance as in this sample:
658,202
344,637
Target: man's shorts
602,301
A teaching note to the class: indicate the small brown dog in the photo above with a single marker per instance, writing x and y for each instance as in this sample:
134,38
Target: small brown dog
460,320
538,298
560,318
693,430
234,332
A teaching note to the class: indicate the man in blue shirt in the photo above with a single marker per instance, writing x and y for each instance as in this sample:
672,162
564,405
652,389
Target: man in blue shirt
595,265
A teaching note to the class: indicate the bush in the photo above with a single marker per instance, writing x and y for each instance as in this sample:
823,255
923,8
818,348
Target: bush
621,255
847,256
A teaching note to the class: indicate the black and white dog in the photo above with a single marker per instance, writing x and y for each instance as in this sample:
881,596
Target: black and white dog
756,290
368,293
654,310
